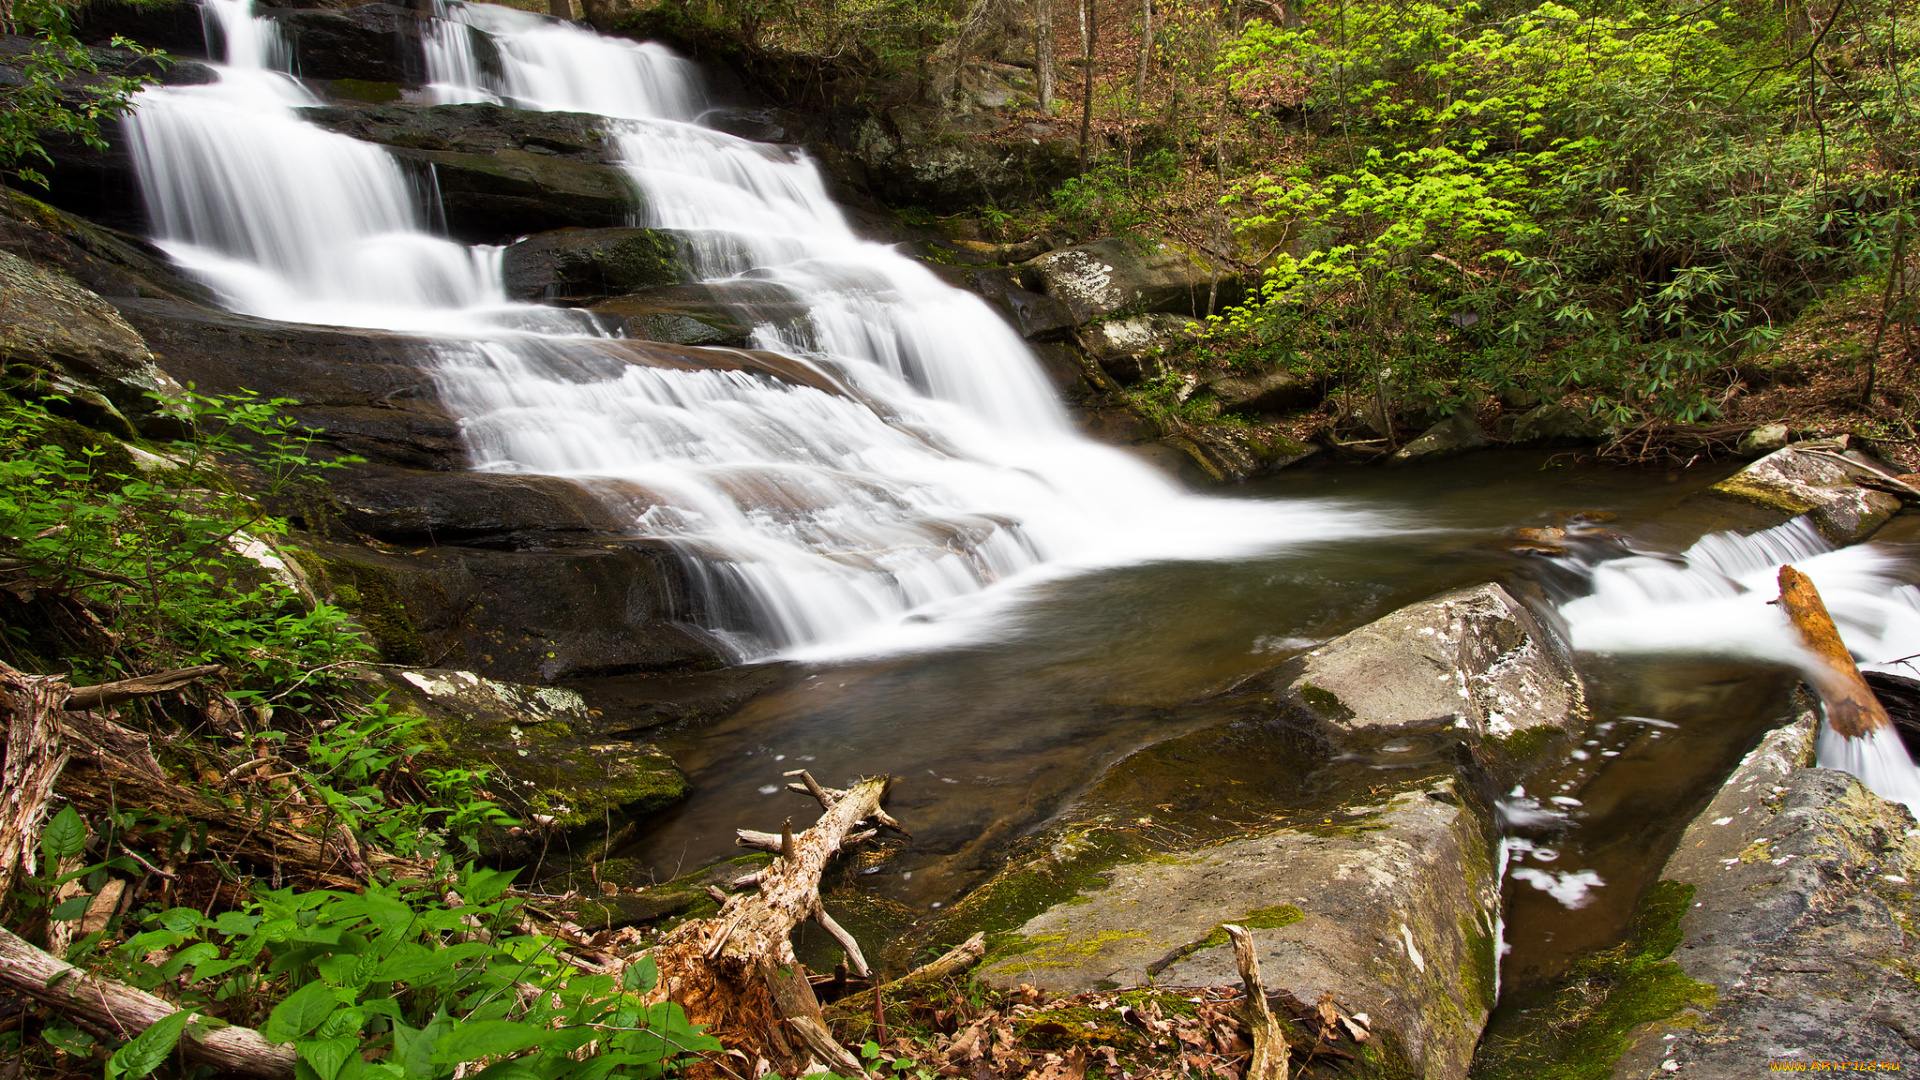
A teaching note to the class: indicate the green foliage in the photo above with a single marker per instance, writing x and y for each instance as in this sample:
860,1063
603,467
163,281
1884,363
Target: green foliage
1115,196
169,555
59,90
1616,196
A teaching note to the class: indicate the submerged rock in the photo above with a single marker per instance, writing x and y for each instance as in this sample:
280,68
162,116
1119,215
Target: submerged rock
582,264
1815,479
1800,923
1129,275
696,314
63,339
1393,911
1474,659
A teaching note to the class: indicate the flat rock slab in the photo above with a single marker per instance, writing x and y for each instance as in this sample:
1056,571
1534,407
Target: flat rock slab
1394,912
1818,481
1802,919
1475,659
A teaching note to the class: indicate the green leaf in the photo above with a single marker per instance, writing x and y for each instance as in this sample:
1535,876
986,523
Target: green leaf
70,909
65,835
326,1056
641,975
69,1040
485,1038
181,920
149,1049
301,1012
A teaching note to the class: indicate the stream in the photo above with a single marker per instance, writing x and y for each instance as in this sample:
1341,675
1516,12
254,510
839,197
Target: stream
938,576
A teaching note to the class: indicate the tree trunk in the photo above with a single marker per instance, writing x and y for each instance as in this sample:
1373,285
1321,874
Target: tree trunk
1146,52
736,972
35,755
1089,36
1043,52
124,1011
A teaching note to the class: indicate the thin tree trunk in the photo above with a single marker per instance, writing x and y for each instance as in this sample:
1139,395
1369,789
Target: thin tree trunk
1146,51
1043,51
1899,272
1089,34
36,753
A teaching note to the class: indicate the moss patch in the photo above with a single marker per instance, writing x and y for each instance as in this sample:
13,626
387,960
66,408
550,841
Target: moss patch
1325,702
372,594
1267,918
1576,1031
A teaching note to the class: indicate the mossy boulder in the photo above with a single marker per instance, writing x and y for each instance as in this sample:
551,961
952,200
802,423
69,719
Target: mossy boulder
1131,275
1801,926
1818,479
1130,349
59,338
1278,391
1457,432
574,265
552,766
1475,663
1394,911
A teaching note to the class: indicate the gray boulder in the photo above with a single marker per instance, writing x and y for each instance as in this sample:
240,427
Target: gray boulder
1554,423
1456,433
1817,479
947,161
1762,440
1393,911
1474,659
1130,275
1129,349
60,338
1800,923
1266,392
583,264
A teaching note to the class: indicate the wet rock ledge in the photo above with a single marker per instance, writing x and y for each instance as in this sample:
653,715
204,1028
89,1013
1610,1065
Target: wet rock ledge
1374,881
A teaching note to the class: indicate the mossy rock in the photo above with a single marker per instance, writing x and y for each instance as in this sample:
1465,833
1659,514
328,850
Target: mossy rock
580,264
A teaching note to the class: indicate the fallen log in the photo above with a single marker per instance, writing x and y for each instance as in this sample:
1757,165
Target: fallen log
736,972
1852,709
126,1011
124,690
956,961
35,755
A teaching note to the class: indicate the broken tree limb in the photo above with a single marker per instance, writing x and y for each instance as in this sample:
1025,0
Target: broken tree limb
114,693
1852,709
736,972
1270,1051
126,1011
956,961
855,961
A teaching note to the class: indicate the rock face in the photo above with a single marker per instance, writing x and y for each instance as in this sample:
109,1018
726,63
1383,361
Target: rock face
542,741
1125,275
583,264
1036,317
1552,424
1801,919
1129,349
910,155
699,314
1394,912
1815,479
496,510
1474,659
1267,392
59,338
503,173
1457,432
378,42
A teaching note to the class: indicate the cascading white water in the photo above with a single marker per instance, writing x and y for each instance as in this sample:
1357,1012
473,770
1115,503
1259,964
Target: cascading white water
819,518
1716,598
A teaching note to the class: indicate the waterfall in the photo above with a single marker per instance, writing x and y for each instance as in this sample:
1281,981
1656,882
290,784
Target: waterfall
943,478
1716,597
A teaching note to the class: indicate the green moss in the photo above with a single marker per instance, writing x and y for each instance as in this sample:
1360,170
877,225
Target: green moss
1526,744
372,594
1325,702
1577,1030
1267,918
367,90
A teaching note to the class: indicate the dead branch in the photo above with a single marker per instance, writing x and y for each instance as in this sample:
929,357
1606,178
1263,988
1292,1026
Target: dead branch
736,972
1852,709
36,754
113,693
1270,1051
126,1011
956,961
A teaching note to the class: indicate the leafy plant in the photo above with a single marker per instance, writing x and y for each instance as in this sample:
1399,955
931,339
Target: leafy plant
58,88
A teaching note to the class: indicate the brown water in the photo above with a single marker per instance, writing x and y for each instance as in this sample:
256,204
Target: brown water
991,741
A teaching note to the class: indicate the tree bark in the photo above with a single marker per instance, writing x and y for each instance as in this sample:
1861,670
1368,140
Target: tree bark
957,961
1089,37
36,753
1852,709
1043,52
113,693
125,1011
736,972
1146,52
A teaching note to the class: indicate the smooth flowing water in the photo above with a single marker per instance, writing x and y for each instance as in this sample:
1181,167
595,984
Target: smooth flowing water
979,600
